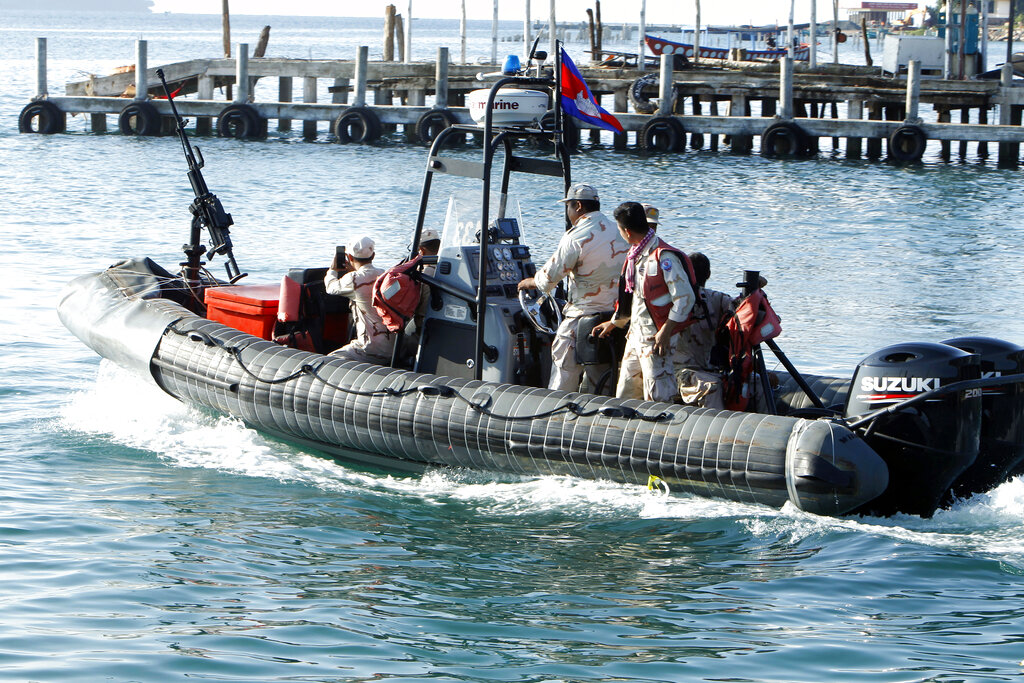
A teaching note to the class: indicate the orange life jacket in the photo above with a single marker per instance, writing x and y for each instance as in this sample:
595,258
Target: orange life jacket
396,294
753,322
655,287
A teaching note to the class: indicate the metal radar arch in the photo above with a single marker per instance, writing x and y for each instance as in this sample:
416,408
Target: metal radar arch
497,136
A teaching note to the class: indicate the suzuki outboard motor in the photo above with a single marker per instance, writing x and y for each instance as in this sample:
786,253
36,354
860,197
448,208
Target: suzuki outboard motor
1001,447
926,445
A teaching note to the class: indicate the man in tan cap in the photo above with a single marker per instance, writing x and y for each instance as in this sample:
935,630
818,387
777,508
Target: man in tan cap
652,214
590,254
354,279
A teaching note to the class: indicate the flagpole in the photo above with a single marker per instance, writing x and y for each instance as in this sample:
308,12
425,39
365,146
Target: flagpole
559,113
558,94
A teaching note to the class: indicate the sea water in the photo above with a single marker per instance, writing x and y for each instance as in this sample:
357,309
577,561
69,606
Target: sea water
143,540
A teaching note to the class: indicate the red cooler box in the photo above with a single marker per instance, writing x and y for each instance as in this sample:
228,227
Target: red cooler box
248,308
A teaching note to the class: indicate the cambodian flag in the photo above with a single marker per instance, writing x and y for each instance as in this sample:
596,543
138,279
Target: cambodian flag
579,103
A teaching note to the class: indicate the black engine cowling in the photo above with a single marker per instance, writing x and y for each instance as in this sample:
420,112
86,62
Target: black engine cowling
929,444
1001,445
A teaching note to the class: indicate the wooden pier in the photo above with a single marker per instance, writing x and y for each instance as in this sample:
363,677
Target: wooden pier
788,110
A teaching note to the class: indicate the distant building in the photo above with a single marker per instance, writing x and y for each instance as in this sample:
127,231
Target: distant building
1000,9
879,13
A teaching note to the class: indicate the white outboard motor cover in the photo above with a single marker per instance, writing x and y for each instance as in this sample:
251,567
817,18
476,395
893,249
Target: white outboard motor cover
512,106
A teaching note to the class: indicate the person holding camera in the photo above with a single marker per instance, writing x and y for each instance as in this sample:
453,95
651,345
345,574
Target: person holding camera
352,275
590,254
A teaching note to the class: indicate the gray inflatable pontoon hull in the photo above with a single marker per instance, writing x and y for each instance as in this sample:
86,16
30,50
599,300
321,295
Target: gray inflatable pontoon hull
402,419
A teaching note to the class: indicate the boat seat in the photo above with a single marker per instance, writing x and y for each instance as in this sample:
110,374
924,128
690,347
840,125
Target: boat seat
324,318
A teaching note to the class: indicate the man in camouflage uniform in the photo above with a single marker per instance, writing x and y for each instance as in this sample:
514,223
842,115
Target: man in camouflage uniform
655,276
590,254
700,383
354,279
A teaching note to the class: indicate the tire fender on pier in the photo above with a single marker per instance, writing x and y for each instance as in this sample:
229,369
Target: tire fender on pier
42,117
357,124
640,102
432,122
240,121
662,134
907,144
784,139
139,118
570,131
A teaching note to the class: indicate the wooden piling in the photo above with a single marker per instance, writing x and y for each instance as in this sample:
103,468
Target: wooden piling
943,117
284,94
965,117
359,94
242,72
1008,151
665,86
309,97
786,88
697,139
225,25
494,35
527,38
407,52
913,91
739,106
462,32
261,43
867,43
874,146
893,112
983,120
339,91
835,115
713,107
400,37
642,47
204,124
389,34
41,91
621,100
593,36
441,79
141,65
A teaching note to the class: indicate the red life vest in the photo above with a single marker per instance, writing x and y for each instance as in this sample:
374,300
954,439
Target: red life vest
396,294
656,287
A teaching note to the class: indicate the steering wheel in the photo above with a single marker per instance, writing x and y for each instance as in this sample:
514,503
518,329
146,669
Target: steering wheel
541,309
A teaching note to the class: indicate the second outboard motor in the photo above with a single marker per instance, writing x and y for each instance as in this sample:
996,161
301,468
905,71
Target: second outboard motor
926,445
1001,446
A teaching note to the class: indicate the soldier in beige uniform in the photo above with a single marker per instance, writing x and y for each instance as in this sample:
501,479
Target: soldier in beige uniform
662,298
700,383
590,255
372,342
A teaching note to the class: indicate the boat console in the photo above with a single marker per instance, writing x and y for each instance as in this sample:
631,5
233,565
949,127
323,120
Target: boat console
515,351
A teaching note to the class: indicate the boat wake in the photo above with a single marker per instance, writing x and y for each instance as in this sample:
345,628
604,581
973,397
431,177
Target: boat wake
134,413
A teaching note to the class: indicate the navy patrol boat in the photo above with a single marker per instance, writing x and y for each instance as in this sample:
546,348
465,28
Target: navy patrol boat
916,425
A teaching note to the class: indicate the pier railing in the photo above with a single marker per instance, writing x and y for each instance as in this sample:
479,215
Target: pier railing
784,106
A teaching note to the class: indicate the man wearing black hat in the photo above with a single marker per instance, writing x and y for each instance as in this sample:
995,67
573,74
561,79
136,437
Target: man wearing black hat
590,254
